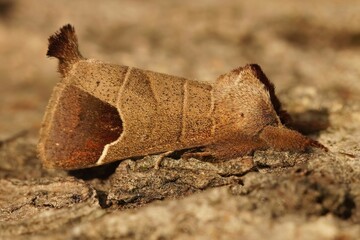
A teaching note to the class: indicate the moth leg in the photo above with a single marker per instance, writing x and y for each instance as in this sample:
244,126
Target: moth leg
231,148
198,155
159,158
284,139
234,148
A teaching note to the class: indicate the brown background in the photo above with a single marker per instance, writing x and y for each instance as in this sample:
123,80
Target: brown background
309,49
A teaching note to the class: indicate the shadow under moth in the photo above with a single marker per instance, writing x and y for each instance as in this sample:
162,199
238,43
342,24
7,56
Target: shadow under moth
101,112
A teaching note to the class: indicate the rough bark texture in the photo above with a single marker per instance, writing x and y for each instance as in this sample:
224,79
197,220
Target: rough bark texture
311,56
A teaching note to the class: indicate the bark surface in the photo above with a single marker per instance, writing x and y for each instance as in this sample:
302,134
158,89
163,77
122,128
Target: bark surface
312,58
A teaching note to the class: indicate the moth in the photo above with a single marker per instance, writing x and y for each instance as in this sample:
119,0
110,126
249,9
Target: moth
101,112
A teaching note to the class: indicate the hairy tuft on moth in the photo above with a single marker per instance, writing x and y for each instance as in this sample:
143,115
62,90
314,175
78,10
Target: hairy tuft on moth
101,112
64,46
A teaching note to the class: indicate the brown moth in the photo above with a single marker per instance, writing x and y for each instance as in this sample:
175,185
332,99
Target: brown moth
101,112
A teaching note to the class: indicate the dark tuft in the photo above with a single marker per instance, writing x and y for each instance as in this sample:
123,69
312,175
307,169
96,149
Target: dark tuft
283,115
64,46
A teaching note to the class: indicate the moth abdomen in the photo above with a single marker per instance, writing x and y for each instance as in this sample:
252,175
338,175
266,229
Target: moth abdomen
64,46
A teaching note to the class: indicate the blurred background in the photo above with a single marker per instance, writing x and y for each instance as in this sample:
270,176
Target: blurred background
307,48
